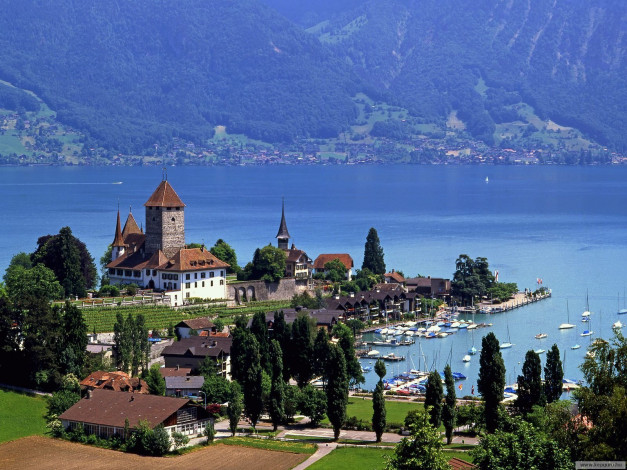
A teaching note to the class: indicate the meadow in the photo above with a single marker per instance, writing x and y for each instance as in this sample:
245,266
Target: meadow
21,415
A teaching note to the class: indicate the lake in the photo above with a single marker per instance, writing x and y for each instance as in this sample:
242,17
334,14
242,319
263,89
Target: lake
566,225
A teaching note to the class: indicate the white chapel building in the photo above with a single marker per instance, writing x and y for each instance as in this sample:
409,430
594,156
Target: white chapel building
158,258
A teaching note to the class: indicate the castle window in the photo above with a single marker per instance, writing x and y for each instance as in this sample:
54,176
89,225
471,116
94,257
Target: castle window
211,273
119,272
202,275
222,273
211,283
169,208
173,219
203,283
128,272
187,295
187,277
111,271
147,272
175,285
195,275
154,272
221,282
176,276
195,284
137,274
187,285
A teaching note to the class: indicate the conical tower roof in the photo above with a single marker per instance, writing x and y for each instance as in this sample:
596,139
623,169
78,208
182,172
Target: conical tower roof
164,196
283,233
130,226
119,239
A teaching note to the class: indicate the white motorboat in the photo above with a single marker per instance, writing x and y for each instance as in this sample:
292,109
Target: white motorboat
466,358
541,335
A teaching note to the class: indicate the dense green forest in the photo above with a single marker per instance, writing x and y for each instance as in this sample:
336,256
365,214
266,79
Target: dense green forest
132,74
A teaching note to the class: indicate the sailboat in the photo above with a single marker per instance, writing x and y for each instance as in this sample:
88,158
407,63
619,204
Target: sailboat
617,325
466,358
487,180
508,343
622,311
587,312
576,346
568,325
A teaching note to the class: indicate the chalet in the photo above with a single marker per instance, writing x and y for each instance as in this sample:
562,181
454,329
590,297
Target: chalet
344,258
429,286
104,412
116,381
185,327
183,386
158,258
191,352
393,278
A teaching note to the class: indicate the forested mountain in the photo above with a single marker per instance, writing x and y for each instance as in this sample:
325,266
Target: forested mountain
566,59
134,73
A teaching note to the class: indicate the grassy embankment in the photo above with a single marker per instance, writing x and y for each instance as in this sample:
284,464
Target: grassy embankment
269,444
395,410
21,415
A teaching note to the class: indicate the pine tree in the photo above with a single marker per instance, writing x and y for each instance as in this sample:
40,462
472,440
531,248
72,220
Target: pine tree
553,375
530,390
491,382
337,390
449,413
276,405
433,398
378,402
373,253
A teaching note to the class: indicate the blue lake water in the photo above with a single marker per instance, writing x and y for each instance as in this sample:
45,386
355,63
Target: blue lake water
566,225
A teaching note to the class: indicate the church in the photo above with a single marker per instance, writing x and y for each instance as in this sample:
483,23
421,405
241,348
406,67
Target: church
158,259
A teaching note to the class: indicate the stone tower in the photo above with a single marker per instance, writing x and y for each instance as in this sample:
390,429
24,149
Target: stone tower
165,221
283,235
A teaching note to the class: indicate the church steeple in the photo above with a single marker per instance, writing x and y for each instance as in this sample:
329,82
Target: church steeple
118,241
283,235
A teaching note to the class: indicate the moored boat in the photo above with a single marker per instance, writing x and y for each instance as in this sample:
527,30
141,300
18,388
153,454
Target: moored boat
541,335
466,358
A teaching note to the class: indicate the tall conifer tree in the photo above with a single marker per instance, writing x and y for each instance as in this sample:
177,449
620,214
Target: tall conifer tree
530,390
378,402
373,253
433,398
337,390
553,375
449,413
491,382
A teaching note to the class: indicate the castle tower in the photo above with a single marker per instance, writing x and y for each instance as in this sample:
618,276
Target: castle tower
118,246
283,235
165,221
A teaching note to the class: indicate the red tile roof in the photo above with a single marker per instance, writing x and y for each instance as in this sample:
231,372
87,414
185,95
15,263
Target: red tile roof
196,323
396,277
174,371
108,408
138,260
344,258
164,196
294,255
193,259
116,381
130,226
459,464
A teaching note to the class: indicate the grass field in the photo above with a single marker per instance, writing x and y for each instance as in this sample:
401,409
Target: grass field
21,415
363,458
366,458
269,444
396,410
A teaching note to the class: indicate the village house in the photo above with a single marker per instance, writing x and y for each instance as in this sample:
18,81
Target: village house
344,258
159,260
103,412
174,371
116,381
198,325
183,386
429,287
393,278
191,352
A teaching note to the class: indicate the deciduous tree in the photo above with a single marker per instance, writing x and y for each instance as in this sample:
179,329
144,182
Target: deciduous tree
223,251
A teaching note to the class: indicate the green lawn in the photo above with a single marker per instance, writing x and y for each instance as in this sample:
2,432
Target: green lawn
364,458
395,410
270,444
21,415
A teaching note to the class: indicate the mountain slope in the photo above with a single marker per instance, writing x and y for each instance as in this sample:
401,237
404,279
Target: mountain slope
567,59
135,73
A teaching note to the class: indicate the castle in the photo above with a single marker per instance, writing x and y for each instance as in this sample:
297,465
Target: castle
158,258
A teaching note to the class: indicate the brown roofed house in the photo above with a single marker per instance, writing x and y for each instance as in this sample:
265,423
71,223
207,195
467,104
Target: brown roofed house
344,258
104,412
115,381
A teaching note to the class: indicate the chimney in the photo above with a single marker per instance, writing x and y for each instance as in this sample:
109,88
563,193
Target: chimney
337,296
89,394
392,269
352,295
177,367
